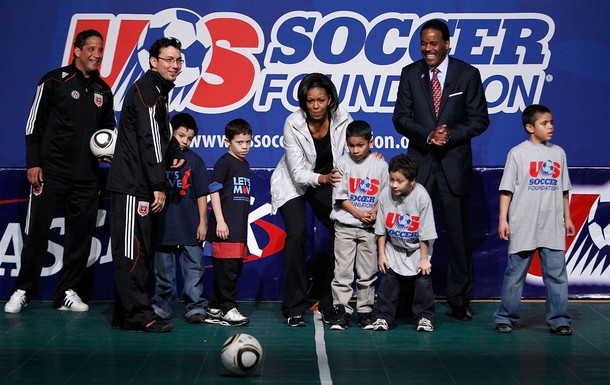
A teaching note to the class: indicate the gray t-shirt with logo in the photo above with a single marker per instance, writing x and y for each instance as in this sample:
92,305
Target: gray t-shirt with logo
537,176
405,221
360,184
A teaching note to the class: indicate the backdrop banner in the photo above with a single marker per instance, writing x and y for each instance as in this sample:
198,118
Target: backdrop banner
246,58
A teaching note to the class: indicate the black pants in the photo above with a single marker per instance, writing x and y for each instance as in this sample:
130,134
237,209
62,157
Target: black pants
389,292
81,201
131,228
460,271
226,274
295,301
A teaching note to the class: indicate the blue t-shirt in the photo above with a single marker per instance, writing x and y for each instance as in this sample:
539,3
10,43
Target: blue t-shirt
234,175
179,219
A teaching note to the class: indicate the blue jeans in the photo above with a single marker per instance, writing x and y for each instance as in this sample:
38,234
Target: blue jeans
555,278
191,263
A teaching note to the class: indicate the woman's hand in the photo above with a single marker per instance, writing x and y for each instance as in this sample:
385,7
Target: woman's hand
333,177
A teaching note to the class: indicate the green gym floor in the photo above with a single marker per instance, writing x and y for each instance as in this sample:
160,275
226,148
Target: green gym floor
41,345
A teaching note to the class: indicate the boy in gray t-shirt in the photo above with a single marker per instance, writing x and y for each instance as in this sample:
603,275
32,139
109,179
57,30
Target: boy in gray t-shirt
405,233
535,217
363,175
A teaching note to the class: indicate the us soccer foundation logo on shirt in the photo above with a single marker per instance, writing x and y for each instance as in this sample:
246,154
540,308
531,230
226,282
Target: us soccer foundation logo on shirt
544,175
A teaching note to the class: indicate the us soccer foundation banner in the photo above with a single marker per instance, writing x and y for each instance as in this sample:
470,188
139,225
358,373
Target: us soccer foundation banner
246,58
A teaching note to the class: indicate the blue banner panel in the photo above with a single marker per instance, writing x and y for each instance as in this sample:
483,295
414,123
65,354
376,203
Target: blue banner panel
245,59
587,256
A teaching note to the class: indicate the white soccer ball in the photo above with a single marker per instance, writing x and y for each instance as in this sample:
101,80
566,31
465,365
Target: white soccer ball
103,142
241,354
547,168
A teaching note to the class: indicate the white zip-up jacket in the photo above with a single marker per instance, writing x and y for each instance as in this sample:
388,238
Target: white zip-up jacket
294,173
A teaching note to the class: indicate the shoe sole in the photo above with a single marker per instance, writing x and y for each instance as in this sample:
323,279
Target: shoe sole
424,330
338,327
65,308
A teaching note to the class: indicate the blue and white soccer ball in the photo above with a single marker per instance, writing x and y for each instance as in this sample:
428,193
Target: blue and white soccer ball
404,221
548,168
598,222
186,26
241,354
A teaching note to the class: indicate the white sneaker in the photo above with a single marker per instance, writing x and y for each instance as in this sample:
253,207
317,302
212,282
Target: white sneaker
233,318
17,302
425,325
380,324
72,302
212,315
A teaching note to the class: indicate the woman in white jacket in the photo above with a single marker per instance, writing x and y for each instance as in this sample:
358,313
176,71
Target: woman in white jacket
314,139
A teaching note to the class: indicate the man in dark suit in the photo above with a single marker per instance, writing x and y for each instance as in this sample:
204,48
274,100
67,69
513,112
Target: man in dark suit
439,138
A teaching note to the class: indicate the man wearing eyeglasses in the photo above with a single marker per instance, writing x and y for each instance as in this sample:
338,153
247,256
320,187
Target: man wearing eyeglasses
137,181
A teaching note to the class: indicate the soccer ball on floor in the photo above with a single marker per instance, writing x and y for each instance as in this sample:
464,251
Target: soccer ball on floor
241,354
102,143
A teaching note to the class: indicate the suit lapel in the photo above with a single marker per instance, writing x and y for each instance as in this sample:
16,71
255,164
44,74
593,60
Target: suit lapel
450,82
424,81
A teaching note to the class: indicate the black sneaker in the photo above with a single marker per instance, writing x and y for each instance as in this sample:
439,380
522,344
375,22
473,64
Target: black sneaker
296,321
563,330
197,318
504,328
156,326
365,321
341,319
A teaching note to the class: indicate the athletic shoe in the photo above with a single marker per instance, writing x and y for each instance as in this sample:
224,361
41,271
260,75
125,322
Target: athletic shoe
72,302
425,325
380,324
340,320
563,330
365,321
296,321
503,328
212,315
17,302
197,318
233,318
154,326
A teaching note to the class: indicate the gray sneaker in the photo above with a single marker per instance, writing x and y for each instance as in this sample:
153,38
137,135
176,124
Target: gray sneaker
425,325
233,318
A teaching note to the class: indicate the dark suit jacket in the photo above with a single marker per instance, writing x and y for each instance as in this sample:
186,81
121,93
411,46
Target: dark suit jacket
463,108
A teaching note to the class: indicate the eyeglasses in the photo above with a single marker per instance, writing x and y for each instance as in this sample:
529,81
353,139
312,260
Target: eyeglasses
171,60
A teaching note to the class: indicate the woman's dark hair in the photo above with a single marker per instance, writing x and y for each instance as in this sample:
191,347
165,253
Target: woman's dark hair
318,80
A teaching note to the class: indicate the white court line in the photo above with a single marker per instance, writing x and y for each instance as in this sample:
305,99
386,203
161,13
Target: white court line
323,367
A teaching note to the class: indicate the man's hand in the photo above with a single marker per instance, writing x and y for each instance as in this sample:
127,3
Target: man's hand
440,135
35,178
159,201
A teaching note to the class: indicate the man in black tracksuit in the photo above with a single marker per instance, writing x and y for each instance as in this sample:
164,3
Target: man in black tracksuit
137,183
70,104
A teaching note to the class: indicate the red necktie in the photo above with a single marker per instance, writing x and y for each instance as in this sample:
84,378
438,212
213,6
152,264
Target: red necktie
436,91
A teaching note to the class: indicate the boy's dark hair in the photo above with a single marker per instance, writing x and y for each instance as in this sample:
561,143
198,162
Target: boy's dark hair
359,129
438,25
531,113
161,43
184,120
236,127
405,164
82,36
315,80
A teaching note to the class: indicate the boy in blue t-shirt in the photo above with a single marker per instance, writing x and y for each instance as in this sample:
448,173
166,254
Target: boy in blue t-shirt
228,230
182,228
